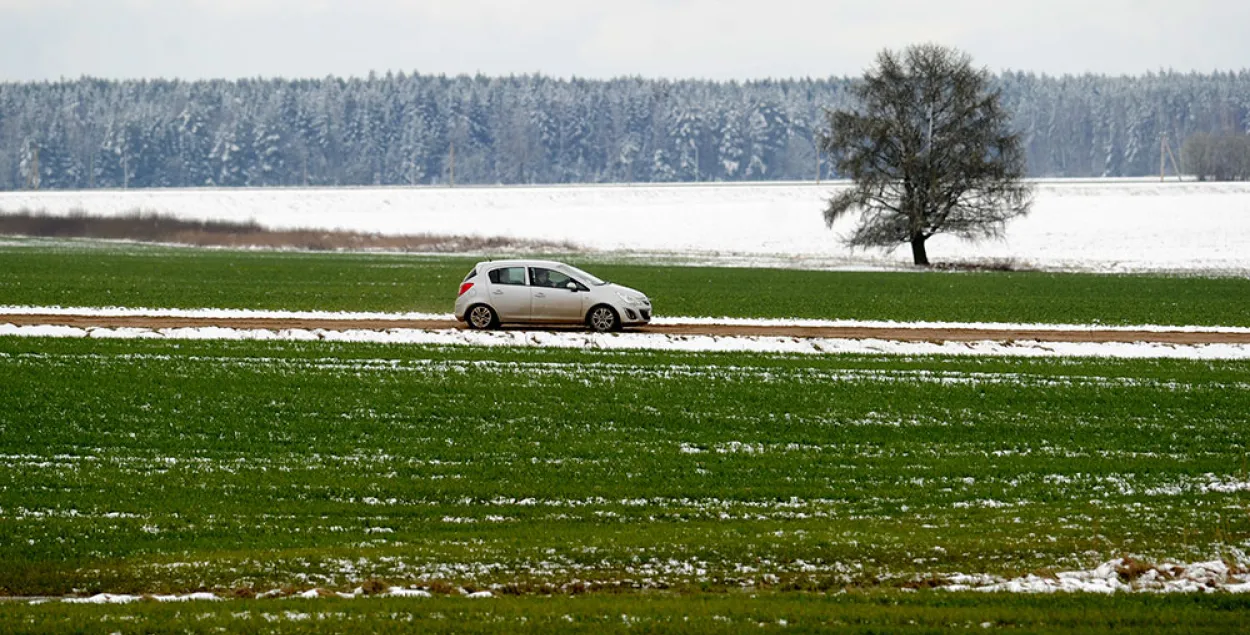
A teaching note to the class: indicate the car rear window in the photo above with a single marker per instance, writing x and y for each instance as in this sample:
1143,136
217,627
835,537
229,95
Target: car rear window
472,272
508,275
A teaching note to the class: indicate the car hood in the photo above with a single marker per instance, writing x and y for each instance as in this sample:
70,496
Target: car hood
612,286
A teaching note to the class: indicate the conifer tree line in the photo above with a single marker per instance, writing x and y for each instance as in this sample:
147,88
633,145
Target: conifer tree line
408,129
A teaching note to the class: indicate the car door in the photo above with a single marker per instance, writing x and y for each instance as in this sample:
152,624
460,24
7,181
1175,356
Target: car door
552,300
509,294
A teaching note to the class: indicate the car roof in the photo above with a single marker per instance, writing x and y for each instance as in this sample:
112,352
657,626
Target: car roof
550,264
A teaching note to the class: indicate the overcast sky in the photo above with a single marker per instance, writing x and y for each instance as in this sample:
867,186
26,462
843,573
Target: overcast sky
717,39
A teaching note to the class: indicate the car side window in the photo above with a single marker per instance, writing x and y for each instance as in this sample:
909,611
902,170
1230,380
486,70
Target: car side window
543,277
508,275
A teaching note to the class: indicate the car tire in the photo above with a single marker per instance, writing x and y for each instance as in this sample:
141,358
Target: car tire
603,319
481,317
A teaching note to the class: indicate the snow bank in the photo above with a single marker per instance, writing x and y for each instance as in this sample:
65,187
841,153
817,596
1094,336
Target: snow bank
1107,226
401,592
677,320
113,311
1125,575
659,342
1119,576
111,598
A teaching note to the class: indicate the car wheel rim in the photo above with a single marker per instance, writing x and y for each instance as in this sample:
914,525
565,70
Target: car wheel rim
480,317
602,320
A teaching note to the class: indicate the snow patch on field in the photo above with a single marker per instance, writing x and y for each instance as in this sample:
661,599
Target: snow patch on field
986,326
659,342
112,598
1120,576
1092,225
401,592
115,311
660,321
1125,575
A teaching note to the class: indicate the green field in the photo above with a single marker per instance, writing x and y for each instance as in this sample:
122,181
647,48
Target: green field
96,274
854,612
148,466
595,490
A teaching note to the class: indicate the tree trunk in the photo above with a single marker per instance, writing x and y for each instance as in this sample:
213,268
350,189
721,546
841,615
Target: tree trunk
918,253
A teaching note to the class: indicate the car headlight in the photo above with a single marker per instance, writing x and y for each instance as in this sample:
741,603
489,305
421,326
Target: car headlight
629,299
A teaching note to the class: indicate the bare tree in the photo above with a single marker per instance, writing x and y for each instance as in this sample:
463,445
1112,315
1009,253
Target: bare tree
1223,157
929,150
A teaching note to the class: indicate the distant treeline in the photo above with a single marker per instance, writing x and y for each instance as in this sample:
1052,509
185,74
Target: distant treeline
422,129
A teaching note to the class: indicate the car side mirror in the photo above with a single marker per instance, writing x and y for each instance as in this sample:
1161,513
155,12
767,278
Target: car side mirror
572,286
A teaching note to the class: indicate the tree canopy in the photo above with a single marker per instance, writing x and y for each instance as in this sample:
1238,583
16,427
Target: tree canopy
930,150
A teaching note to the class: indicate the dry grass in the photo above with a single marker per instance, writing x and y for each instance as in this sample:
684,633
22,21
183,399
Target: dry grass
373,586
930,581
442,587
151,227
1130,569
999,265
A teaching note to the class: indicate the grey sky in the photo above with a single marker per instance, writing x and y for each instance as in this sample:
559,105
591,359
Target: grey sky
718,39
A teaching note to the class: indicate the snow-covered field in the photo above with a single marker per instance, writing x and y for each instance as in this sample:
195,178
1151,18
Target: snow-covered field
631,341
1111,226
656,342
1108,578
114,311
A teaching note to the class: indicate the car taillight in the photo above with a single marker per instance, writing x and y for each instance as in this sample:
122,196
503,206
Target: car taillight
464,286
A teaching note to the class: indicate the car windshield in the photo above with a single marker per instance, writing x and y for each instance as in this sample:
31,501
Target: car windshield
585,277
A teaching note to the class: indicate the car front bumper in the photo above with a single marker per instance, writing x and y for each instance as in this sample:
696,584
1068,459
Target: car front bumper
634,316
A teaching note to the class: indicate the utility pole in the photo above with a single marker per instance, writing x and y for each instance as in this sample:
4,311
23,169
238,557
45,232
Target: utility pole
696,160
816,146
1163,145
1165,152
452,180
125,171
32,179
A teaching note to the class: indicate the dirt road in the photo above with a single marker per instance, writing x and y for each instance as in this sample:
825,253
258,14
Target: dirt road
719,330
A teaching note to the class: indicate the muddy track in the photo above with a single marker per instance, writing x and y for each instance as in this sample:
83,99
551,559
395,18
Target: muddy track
719,330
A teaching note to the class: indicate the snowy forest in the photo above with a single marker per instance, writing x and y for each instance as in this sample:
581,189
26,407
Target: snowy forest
409,129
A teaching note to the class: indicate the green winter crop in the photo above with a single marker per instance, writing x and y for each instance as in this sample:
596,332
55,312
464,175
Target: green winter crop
95,274
133,466
767,612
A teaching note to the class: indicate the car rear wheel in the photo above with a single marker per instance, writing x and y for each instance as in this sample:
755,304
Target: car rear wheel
602,319
482,317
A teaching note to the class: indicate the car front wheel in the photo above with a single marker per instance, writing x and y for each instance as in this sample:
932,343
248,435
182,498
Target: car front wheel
482,317
603,319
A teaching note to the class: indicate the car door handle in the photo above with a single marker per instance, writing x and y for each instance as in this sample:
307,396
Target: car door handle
498,292
540,295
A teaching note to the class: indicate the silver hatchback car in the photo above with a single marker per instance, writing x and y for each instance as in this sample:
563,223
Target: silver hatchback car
546,292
